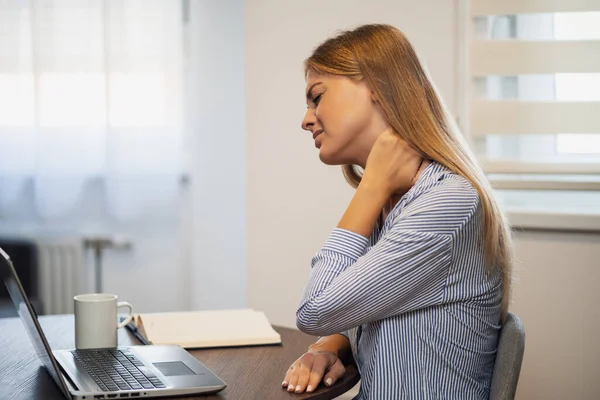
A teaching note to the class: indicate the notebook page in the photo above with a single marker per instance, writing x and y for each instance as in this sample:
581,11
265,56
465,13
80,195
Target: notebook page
210,328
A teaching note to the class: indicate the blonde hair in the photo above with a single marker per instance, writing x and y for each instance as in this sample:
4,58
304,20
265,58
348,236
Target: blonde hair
384,57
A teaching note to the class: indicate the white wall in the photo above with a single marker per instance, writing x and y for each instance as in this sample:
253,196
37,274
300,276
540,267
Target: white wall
557,298
218,152
293,200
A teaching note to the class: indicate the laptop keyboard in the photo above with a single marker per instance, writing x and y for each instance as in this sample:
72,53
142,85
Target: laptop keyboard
115,370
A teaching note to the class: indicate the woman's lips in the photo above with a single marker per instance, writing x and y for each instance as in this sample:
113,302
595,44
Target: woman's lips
315,136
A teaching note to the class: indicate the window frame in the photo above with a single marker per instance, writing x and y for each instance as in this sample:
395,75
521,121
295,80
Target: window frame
520,175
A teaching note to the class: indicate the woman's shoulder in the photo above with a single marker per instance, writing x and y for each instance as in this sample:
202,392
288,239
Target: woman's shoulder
439,186
440,199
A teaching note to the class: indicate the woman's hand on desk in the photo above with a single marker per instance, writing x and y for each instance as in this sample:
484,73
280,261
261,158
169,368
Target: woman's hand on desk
311,368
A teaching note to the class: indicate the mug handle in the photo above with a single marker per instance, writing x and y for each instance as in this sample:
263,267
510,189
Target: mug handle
129,317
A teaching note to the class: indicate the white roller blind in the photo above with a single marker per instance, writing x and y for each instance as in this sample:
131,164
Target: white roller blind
529,117
506,57
531,74
505,7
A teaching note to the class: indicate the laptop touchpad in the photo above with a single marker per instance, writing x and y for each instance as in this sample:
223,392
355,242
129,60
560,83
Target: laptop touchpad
174,368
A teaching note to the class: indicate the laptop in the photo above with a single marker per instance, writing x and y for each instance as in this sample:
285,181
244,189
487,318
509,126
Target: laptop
121,372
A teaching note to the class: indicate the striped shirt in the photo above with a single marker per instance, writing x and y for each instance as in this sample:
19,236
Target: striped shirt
418,305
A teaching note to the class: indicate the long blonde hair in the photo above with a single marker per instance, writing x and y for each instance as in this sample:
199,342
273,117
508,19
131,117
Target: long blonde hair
385,59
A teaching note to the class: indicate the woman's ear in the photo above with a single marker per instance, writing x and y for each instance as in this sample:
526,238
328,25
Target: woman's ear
374,98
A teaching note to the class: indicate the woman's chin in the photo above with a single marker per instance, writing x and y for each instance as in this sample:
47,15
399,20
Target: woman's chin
329,158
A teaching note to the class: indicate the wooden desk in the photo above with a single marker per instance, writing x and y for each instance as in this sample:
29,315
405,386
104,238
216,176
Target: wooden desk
250,372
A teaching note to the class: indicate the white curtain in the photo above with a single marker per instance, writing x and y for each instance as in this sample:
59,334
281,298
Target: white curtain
91,93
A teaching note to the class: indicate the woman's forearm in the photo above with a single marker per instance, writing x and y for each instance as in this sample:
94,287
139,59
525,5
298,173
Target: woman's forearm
364,209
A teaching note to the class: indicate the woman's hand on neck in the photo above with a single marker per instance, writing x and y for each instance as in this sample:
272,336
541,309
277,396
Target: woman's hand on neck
393,164
392,168
395,197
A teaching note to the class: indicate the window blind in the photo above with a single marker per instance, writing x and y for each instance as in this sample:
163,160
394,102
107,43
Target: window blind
511,62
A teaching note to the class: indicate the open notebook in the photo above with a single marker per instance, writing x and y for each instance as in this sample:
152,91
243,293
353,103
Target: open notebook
218,328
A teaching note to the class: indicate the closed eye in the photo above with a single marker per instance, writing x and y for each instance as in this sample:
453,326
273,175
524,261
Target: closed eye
316,99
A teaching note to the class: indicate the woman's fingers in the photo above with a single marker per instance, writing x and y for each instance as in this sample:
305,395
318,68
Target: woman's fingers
307,372
288,375
392,164
320,364
304,375
294,375
336,371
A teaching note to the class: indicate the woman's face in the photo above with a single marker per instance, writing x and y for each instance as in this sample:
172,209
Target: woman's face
343,118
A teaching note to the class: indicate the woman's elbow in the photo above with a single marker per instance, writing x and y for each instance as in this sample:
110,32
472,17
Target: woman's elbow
307,326
313,326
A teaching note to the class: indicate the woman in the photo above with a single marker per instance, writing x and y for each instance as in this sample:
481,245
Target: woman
415,280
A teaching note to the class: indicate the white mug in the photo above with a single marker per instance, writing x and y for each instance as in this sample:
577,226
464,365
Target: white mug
96,321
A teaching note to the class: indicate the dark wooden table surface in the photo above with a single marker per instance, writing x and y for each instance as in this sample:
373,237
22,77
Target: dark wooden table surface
250,372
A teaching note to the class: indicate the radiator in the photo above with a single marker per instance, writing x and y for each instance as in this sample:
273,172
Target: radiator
61,273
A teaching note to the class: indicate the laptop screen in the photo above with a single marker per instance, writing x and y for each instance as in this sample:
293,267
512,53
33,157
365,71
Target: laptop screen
29,319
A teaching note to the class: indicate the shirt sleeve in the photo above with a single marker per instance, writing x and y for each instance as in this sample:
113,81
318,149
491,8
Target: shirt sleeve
404,271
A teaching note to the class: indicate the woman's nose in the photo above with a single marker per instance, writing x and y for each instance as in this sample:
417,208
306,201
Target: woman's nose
309,120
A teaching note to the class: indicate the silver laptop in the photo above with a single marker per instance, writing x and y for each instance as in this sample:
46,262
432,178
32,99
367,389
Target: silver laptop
122,372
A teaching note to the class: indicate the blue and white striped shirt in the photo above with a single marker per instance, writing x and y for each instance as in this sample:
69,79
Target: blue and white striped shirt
415,299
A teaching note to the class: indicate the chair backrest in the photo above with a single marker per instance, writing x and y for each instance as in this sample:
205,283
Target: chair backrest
511,346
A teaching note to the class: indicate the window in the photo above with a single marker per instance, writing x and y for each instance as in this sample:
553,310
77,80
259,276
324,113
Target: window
533,82
91,107
87,64
577,86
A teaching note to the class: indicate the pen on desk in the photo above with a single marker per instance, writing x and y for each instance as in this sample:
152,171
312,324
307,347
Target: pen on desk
133,329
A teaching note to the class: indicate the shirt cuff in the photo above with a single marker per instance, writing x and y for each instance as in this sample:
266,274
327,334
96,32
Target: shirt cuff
347,243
